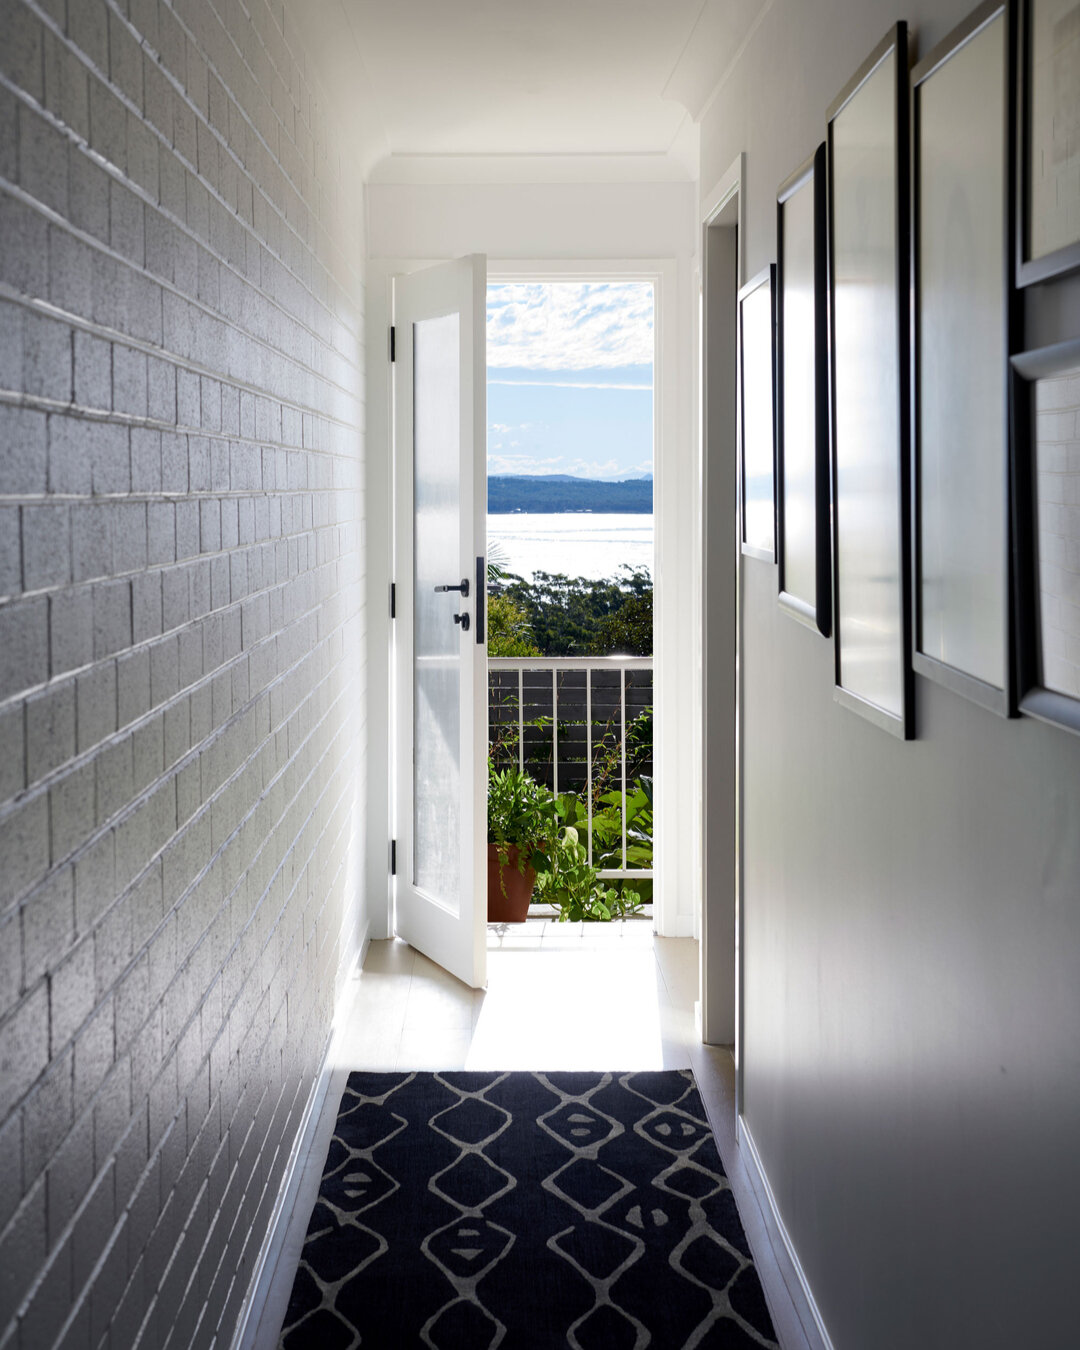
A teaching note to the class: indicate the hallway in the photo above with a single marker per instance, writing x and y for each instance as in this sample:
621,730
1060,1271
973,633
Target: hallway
559,996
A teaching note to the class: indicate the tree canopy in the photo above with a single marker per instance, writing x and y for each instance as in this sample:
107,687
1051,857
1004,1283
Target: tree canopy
574,616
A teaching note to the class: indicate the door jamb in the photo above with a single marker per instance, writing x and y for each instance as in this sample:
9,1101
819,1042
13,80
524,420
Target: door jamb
721,215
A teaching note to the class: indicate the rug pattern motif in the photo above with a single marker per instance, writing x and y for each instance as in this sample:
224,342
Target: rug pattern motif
468,1211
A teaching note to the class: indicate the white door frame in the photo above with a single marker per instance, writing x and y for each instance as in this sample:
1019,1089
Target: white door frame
721,216
676,597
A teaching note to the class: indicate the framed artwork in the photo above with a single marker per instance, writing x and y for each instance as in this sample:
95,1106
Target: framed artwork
804,546
1046,484
1048,132
757,421
964,300
869,382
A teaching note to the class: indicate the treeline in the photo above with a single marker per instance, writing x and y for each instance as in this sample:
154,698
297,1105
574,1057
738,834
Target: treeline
556,615
552,493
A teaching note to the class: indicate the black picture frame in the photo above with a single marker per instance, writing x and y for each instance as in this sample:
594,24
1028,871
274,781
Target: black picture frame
1066,257
761,361
815,611
869,349
969,237
1037,697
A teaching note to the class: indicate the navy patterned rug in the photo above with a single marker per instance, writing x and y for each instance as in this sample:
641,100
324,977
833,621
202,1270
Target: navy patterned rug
465,1211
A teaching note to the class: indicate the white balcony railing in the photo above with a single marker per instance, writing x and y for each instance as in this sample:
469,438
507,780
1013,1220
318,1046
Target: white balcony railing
570,720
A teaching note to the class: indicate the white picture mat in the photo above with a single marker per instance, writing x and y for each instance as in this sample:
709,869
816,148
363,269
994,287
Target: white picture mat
1054,126
867,422
799,471
1057,524
963,433
759,515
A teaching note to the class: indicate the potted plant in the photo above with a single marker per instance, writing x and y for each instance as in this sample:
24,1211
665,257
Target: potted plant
522,830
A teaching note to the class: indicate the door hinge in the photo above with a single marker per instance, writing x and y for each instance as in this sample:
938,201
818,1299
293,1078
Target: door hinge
393,343
393,857
393,600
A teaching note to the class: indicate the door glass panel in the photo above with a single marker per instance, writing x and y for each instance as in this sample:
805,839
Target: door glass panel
436,644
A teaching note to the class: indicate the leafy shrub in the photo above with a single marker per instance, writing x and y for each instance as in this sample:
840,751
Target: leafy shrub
508,631
573,887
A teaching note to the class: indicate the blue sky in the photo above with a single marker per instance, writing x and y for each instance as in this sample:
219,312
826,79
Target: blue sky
570,378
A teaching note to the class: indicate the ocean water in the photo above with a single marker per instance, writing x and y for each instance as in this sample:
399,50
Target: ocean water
579,544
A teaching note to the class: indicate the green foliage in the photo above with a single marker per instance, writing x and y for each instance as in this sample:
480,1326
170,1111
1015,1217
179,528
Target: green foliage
573,887
629,631
579,617
607,831
508,632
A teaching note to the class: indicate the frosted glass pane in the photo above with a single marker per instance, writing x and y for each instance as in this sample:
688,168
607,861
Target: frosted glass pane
1057,493
757,393
867,418
799,487
962,446
436,641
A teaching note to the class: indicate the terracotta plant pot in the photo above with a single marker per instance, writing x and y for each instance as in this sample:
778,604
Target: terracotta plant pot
509,891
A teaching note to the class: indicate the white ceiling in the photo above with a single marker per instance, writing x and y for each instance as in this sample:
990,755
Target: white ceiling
498,78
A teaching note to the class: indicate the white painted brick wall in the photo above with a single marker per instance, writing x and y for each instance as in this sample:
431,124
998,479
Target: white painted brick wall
181,629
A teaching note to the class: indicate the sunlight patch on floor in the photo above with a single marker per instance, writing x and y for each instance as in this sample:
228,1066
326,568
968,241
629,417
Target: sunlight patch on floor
571,1006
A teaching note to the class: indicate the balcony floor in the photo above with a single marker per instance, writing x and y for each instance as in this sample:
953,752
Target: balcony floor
559,996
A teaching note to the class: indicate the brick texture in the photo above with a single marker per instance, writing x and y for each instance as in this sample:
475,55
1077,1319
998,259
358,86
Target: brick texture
181,650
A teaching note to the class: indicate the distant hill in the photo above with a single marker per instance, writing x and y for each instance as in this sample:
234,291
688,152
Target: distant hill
551,493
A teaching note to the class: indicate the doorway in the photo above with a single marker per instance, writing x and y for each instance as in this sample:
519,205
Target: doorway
677,744
571,431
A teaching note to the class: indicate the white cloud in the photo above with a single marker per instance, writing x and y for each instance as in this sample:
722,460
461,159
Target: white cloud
570,325
522,464
572,384
583,468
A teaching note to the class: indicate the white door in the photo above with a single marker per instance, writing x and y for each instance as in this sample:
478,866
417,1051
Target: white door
440,530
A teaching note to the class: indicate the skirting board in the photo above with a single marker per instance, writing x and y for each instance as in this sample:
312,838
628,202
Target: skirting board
816,1333
248,1322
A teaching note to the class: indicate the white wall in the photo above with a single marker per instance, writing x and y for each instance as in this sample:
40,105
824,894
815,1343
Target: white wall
182,701
911,911
652,225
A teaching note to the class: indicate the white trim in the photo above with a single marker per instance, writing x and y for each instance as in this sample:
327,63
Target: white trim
718,494
262,1275
714,201
794,1276
378,535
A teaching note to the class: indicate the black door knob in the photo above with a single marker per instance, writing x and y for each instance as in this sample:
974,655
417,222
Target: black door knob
462,619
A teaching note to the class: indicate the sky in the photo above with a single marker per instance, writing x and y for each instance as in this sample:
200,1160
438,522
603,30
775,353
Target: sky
570,378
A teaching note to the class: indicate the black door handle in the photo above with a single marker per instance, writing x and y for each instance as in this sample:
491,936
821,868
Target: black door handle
462,619
463,588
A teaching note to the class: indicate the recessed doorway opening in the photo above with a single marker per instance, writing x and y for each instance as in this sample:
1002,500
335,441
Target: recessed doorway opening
571,561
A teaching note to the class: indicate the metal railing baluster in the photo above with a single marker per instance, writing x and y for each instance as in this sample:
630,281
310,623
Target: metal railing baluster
622,729
588,751
555,732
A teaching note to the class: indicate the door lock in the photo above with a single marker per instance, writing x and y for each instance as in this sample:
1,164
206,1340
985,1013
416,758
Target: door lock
462,619
463,587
